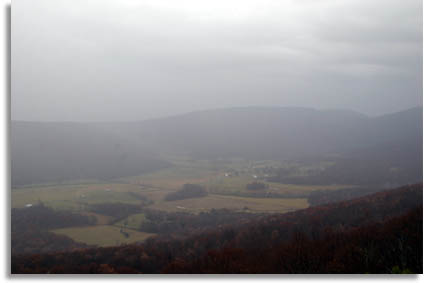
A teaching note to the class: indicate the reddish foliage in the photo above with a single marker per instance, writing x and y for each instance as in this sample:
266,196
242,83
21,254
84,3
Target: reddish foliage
376,234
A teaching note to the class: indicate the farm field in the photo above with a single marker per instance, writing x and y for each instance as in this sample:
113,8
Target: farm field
133,221
75,197
226,190
173,178
196,205
237,185
103,235
225,181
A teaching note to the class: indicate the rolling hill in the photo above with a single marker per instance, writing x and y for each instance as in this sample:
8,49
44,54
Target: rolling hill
43,151
378,233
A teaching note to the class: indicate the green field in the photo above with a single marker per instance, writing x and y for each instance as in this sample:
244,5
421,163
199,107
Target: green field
75,197
237,185
226,190
132,222
173,178
103,235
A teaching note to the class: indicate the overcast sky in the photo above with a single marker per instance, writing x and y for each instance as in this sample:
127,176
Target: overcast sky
97,60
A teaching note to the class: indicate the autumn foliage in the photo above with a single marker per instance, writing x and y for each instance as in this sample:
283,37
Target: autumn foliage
380,233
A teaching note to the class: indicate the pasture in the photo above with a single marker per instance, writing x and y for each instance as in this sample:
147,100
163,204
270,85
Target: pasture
103,235
75,197
228,185
225,181
172,178
225,190
133,221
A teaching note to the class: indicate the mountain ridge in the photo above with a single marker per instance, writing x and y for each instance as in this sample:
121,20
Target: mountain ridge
92,150
330,110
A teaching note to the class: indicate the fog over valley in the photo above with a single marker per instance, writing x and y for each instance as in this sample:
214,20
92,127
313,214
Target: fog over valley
216,137
110,150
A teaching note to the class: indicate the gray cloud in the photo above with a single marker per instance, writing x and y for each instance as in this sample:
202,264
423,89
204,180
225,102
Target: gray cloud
130,60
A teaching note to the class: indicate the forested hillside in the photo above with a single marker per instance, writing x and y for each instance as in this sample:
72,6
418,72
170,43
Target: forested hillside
379,233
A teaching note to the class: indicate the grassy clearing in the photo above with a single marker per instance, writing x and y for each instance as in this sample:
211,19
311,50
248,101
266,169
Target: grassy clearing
73,197
225,192
237,184
173,178
103,235
155,186
132,222
288,188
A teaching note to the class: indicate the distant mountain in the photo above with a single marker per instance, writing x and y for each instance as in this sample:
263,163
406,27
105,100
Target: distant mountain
52,152
128,148
268,133
259,133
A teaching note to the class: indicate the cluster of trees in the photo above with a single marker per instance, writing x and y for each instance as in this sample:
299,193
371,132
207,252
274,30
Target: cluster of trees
44,217
381,233
144,201
328,196
359,172
256,186
29,229
394,246
117,210
187,191
184,223
266,194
